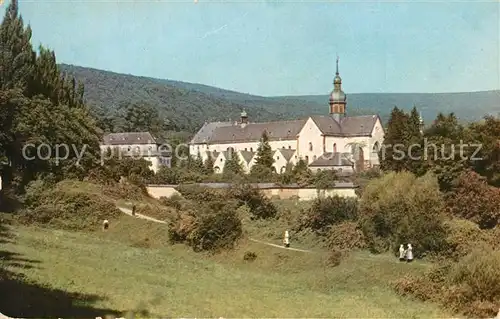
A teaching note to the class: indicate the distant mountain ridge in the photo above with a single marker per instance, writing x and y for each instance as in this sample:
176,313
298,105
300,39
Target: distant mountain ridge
189,105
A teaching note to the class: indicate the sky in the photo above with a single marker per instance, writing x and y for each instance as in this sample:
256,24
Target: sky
274,47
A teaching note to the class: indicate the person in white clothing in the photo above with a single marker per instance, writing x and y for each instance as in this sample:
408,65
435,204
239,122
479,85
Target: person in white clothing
286,240
409,253
402,253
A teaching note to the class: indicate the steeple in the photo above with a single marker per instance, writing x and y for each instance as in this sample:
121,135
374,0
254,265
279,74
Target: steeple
337,97
244,118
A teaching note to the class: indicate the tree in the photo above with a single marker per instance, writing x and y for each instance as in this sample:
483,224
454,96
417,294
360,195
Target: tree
233,165
473,199
39,105
442,155
264,156
209,165
402,144
487,161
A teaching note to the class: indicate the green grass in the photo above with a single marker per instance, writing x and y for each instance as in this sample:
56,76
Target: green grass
131,267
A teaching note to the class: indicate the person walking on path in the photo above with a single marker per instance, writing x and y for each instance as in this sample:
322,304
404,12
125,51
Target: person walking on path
409,253
133,210
402,253
286,240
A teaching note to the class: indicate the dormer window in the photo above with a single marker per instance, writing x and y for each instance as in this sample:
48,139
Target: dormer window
129,148
289,147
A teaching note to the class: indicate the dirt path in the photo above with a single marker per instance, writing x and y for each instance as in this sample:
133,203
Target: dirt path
129,212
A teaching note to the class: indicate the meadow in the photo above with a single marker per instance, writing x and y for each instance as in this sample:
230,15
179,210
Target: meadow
131,268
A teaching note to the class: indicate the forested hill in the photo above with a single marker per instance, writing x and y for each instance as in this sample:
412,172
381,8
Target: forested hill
188,105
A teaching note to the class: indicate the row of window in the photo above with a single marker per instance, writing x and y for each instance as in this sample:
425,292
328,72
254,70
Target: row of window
375,148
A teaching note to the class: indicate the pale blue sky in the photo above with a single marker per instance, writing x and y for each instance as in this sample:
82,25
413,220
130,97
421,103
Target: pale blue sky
280,47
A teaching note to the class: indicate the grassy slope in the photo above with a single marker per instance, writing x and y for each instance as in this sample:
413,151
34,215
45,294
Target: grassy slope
131,267
173,281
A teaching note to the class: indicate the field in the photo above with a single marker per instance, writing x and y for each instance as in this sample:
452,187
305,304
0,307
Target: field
132,268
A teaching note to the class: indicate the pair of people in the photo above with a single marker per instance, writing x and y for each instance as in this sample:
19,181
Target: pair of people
406,254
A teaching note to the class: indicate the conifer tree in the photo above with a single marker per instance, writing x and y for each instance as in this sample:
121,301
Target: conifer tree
393,151
264,152
209,165
233,165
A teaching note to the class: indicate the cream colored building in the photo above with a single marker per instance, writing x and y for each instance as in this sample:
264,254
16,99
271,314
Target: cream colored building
335,141
137,145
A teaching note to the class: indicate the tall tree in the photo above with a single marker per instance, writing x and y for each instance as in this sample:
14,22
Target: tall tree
37,105
233,165
392,152
264,152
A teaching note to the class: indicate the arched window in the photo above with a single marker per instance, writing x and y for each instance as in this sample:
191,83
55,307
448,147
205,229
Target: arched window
335,147
376,147
289,147
216,169
251,149
310,146
282,169
314,157
283,147
307,159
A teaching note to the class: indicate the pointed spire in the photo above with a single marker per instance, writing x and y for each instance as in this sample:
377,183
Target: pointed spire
337,73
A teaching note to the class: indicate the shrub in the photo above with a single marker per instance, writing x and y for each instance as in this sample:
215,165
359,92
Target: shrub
199,193
33,193
463,236
73,210
126,190
206,228
216,230
400,208
335,258
471,286
346,236
260,206
472,198
325,212
180,228
174,201
249,256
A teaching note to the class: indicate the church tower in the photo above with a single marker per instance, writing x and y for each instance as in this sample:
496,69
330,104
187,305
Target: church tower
337,98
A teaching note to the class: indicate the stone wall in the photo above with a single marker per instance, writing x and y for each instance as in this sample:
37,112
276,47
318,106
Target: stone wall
269,190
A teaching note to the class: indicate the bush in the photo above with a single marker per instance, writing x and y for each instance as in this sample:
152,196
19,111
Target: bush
346,236
174,201
207,228
216,230
400,208
260,206
34,192
127,190
473,199
199,193
249,256
72,211
325,212
464,236
471,286
180,228
335,258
